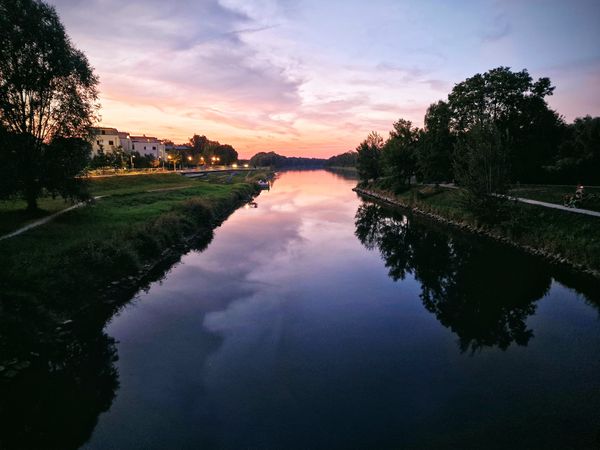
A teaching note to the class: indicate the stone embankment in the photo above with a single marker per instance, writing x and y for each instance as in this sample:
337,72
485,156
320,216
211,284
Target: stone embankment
553,258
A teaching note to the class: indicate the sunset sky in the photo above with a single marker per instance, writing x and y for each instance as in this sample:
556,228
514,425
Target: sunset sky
313,77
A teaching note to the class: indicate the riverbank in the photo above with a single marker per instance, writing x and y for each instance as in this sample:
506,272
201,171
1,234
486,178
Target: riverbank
51,274
561,237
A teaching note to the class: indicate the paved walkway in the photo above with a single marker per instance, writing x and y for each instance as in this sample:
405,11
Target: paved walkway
586,212
44,220
47,219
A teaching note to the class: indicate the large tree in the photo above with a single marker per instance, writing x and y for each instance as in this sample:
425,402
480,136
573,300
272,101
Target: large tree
399,152
226,154
482,168
515,104
48,94
436,145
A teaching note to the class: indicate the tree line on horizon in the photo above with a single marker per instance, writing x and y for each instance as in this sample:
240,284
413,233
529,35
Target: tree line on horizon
275,160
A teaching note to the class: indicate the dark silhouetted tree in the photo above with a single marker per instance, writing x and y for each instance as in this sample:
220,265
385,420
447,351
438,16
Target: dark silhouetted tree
399,153
516,106
226,154
436,145
578,160
47,96
369,157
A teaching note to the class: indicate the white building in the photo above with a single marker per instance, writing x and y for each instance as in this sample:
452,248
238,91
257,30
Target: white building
110,140
125,141
148,145
105,140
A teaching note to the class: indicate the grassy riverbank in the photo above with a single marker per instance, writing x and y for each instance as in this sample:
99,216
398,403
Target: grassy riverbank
14,215
61,267
566,235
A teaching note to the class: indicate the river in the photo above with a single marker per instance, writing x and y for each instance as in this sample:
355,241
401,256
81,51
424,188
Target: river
317,320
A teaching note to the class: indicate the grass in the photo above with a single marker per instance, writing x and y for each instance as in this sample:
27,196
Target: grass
60,270
555,194
573,236
13,214
122,231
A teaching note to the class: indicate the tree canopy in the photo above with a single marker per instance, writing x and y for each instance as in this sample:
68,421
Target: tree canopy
515,104
369,157
399,152
48,94
272,159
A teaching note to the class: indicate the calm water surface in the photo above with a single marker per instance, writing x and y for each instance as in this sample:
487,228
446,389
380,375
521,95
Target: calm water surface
319,321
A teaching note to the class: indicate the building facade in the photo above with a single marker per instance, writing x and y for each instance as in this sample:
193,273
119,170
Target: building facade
109,140
148,145
105,140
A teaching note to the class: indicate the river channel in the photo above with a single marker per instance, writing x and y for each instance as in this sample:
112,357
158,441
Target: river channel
319,320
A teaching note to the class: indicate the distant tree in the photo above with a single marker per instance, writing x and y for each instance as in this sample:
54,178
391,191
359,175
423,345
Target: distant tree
436,145
226,154
369,157
399,153
143,161
47,96
272,159
516,106
348,159
198,145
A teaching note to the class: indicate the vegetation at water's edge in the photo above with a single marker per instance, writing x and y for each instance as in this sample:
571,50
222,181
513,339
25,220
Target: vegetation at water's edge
568,235
275,160
52,272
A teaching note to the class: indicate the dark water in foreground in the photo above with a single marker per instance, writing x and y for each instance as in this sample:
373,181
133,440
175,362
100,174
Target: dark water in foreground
320,321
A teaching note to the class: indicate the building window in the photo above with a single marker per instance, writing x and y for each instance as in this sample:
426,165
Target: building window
144,147
98,142
111,142
153,148
133,146
102,131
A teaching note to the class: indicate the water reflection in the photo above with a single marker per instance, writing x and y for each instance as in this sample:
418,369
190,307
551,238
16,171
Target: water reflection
483,296
68,375
56,404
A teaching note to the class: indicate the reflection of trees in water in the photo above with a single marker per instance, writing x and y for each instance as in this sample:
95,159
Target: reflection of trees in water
56,402
482,291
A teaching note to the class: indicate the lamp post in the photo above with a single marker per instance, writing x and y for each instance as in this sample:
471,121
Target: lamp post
131,156
189,160
170,158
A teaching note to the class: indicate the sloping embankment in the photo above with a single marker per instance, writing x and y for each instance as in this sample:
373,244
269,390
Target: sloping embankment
552,257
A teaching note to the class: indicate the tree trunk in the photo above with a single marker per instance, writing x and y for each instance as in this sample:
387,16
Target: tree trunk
32,203
31,199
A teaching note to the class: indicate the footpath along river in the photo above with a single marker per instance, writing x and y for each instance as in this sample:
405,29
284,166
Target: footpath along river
319,320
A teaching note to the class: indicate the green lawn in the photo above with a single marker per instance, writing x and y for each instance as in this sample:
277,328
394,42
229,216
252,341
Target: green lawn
13,214
117,234
57,270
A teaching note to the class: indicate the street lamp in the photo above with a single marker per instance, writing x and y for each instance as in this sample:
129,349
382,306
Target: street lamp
131,156
171,158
